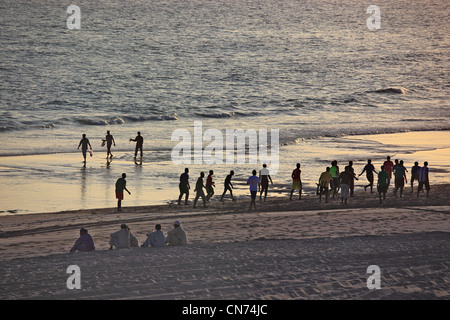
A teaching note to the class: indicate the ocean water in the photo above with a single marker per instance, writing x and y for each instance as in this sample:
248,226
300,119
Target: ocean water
310,69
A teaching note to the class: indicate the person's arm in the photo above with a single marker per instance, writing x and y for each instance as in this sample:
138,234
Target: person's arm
79,145
75,246
125,188
362,171
270,179
113,141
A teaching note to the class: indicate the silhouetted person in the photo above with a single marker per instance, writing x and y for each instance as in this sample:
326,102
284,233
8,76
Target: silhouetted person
210,185
296,181
334,171
369,169
324,183
383,183
84,143
353,177
264,176
414,175
255,184
344,182
184,186
388,167
121,185
139,143
199,189
228,185
109,140
424,179
400,178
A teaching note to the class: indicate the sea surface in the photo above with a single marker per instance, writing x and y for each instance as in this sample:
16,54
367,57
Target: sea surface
312,70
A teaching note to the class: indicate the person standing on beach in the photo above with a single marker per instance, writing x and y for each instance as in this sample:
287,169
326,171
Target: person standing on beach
176,236
156,238
400,178
121,185
324,182
228,186
344,182
84,243
296,181
264,176
84,143
353,177
184,186
210,185
139,143
383,183
388,167
424,179
255,186
334,171
109,139
414,175
199,189
369,169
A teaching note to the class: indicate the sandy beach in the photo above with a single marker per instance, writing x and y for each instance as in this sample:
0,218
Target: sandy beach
284,250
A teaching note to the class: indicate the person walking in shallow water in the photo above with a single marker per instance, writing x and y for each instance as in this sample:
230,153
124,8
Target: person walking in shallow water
84,143
121,185
139,143
109,140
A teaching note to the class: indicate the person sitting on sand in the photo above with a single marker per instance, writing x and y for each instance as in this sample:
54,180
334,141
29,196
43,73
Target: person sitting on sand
424,179
177,236
156,238
324,182
123,239
84,143
369,169
228,185
383,183
84,243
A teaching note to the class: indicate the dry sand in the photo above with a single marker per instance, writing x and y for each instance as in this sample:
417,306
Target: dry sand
283,250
